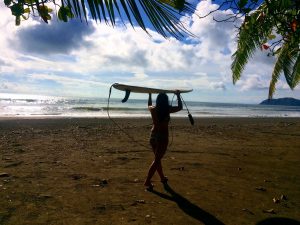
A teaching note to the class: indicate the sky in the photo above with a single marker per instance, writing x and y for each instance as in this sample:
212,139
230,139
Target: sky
78,60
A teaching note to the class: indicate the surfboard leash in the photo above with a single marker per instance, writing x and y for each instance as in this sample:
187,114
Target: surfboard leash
128,135
189,114
131,137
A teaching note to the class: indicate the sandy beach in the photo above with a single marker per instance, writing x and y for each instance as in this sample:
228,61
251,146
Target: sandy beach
231,171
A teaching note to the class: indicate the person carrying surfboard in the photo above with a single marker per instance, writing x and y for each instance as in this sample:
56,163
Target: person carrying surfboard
159,137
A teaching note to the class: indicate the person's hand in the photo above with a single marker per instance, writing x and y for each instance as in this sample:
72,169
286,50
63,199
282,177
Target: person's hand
177,92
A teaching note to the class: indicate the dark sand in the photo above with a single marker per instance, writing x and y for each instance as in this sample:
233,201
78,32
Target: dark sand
86,171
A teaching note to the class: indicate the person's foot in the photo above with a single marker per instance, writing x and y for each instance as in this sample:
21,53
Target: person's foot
164,180
149,186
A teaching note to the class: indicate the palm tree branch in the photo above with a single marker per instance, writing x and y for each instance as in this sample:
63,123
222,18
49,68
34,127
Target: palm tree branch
250,37
296,72
278,68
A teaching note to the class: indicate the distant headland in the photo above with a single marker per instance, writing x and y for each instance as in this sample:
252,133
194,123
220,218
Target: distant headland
281,101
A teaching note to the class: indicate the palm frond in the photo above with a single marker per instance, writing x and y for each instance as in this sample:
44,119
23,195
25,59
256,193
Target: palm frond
296,72
287,62
288,67
245,49
280,64
250,38
290,61
163,15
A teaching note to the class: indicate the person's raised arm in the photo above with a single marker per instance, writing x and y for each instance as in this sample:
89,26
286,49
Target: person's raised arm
177,108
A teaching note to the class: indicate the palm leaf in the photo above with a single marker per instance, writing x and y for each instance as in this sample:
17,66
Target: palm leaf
287,62
296,72
163,15
282,59
250,38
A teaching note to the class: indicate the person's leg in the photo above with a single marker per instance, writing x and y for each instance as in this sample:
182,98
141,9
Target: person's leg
159,169
152,168
160,172
156,164
151,172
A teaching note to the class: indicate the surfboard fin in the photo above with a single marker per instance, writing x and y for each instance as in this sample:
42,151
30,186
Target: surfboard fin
127,93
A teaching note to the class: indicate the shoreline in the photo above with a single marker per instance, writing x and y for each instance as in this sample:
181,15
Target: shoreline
87,171
141,117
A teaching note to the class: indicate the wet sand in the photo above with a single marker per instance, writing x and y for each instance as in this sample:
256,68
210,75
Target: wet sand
231,171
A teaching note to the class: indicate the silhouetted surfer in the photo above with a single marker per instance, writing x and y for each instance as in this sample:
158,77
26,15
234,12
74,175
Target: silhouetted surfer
159,137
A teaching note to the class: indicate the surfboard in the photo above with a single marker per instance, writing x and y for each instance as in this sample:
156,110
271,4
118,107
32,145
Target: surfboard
138,89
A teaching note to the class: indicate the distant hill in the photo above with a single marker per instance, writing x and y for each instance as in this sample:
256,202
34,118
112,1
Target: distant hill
281,101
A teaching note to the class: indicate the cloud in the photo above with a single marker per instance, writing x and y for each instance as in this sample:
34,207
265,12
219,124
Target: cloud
53,38
4,86
2,62
218,86
253,82
140,76
215,35
65,80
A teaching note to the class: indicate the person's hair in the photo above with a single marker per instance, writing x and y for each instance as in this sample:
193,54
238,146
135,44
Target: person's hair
162,107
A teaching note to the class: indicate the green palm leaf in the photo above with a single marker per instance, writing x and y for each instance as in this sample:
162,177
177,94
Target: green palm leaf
278,68
296,72
250,39
164,15
287,62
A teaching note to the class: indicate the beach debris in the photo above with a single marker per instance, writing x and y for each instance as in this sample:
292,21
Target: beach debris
77,176
271,211
276,200
136,180
3,174
44,196
141,201
260,188
13,164
101,183
100,208
283,197
248,211
7,158
104,182
148,216
239,168
178,168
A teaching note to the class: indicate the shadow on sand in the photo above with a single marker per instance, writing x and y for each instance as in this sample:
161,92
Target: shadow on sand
278,221
188,207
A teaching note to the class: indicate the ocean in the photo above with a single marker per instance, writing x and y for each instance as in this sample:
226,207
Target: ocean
17,105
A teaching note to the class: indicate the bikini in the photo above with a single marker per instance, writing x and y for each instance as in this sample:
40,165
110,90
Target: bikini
158,137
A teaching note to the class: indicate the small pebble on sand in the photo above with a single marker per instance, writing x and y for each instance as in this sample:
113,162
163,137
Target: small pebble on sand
271,211
4,174
276,200
283,197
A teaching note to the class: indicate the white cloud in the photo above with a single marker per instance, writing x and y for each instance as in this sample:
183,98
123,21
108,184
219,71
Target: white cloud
140,76
253,81
218,85
65,80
